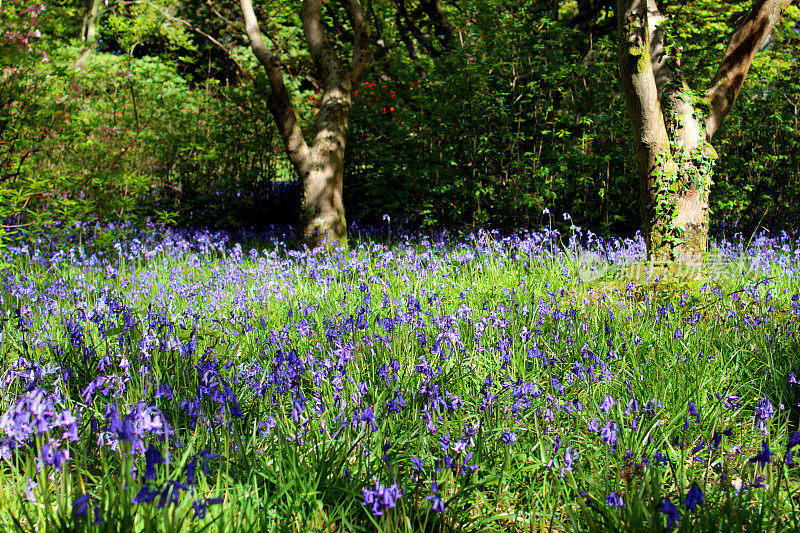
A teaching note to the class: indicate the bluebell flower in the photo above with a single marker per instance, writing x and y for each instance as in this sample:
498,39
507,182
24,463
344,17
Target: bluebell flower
152,458
764,456
171,494
764,413
570,456
610,433
144,495
671,511
508,437
615,500
80,507
191,468
97,520
694,498
607,404
438,503
30,496
693,411
207,456
380,498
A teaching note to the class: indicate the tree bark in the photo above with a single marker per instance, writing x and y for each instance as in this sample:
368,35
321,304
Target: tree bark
673,125
89,20
320,167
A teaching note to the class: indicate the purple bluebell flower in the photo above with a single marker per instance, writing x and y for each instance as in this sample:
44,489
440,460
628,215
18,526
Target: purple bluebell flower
570,456
152,458
764,413
764,456
30,495
171,494
607,404
610,434
438,503
80,507
615,500
694,498
97,520
508,437
794,440
380,498
693,411
191,468
671,511
144,495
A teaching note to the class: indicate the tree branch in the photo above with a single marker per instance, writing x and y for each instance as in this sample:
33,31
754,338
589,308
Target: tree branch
415,31
658,55
746,40
639,83
318,45
198,31
362,54
280,104
440,22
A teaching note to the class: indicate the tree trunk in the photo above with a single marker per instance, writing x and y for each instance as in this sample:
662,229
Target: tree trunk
322,210
91,16
89,20
320,167
673,126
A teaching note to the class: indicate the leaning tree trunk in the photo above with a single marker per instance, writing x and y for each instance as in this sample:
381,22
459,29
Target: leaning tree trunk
320,166
673,125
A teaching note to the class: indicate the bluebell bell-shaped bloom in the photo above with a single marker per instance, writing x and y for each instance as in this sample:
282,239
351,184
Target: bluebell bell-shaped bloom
80,507
764,456
380,498
764,413
615,500
144,495
694,497
508,437
152,458
671,511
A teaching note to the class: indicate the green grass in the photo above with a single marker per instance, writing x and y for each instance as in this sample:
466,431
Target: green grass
495,309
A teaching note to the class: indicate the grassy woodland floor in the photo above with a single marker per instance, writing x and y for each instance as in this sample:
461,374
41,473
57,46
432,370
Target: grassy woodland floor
179,381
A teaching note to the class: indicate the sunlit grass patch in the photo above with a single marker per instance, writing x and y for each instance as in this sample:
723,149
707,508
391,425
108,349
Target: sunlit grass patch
185,382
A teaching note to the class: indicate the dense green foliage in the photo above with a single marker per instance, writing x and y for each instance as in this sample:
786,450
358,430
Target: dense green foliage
164,115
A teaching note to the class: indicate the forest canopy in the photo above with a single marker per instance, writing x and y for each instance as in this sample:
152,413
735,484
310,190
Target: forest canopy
469,114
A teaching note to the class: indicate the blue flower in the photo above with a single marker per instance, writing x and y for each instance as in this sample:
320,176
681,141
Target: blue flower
80,507
615,500
671,511
438,503
607,404
380,498
764,456
145,495
764,413
610,433
508,437
694,497
794,440
152,458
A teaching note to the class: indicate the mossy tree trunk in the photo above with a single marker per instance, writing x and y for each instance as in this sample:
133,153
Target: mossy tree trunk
673,125
320,165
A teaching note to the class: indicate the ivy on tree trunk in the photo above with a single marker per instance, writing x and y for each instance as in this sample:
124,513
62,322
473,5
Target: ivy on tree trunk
673,125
